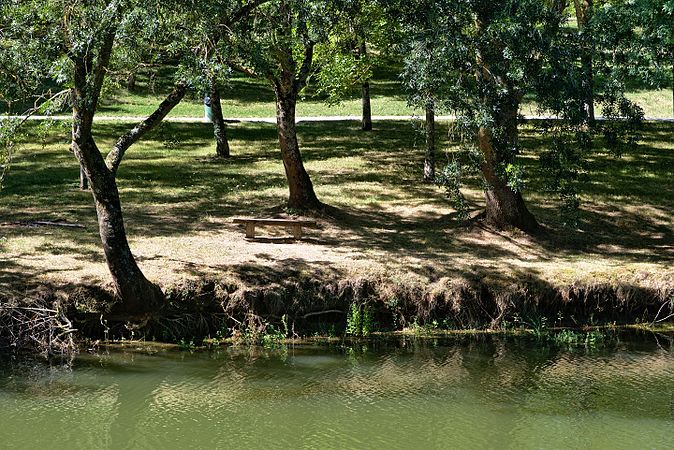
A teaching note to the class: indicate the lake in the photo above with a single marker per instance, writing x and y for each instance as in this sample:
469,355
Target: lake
477,392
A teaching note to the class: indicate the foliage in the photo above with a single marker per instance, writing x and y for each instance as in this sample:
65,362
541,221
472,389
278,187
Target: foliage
427,30
563,163
279,35
450,179
360,320
186,345
344,61
338,73
257,331
571,338
638,37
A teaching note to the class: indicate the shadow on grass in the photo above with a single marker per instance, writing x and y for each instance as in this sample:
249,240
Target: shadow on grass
170,184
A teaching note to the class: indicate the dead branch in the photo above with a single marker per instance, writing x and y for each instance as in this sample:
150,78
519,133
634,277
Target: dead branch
34,323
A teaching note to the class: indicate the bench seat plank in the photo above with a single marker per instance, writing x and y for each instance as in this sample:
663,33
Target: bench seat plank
293,225
280,222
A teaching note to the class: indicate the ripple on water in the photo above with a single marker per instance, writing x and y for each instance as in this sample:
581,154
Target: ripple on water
491,394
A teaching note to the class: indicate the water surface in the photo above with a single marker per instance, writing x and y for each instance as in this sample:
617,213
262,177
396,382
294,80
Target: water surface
475,393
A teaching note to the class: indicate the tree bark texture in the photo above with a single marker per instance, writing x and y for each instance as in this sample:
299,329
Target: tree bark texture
302,195
138,295
505,207
583,15
367,107
429,160
84,183
219,125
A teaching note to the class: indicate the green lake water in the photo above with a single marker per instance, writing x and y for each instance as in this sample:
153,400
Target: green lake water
408,393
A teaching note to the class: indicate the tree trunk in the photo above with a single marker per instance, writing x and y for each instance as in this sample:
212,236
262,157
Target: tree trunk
131,82
84,183
583,14
505,207
138,295
302,194
429,160
367,108
219,125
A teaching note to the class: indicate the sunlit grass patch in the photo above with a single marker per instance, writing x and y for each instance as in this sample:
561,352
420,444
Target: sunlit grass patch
179,199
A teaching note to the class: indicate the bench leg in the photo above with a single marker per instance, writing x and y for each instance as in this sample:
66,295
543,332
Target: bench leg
250,230
297,232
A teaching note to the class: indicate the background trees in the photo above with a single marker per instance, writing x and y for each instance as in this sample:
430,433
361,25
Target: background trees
479,59
483,57
278,45
655,18
427,29
211,22
345,60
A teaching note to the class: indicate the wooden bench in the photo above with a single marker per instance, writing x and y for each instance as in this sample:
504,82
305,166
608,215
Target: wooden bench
292,224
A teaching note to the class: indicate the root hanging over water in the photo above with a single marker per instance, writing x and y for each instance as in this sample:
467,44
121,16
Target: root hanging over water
35,322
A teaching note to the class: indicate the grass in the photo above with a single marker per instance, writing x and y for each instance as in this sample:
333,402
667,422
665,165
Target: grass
178,202
247,97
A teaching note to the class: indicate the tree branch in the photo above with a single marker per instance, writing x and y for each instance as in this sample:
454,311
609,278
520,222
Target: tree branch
305,70
244,70
114,158
243,11
102,63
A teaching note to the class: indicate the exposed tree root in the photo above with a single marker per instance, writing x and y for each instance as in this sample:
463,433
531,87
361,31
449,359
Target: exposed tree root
303,304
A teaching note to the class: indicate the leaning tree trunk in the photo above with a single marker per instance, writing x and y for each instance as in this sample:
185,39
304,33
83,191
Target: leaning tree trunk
367,107
505,207
138,295
429,160
219,125
302,195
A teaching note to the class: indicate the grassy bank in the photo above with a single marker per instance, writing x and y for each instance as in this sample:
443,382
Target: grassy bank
388,239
